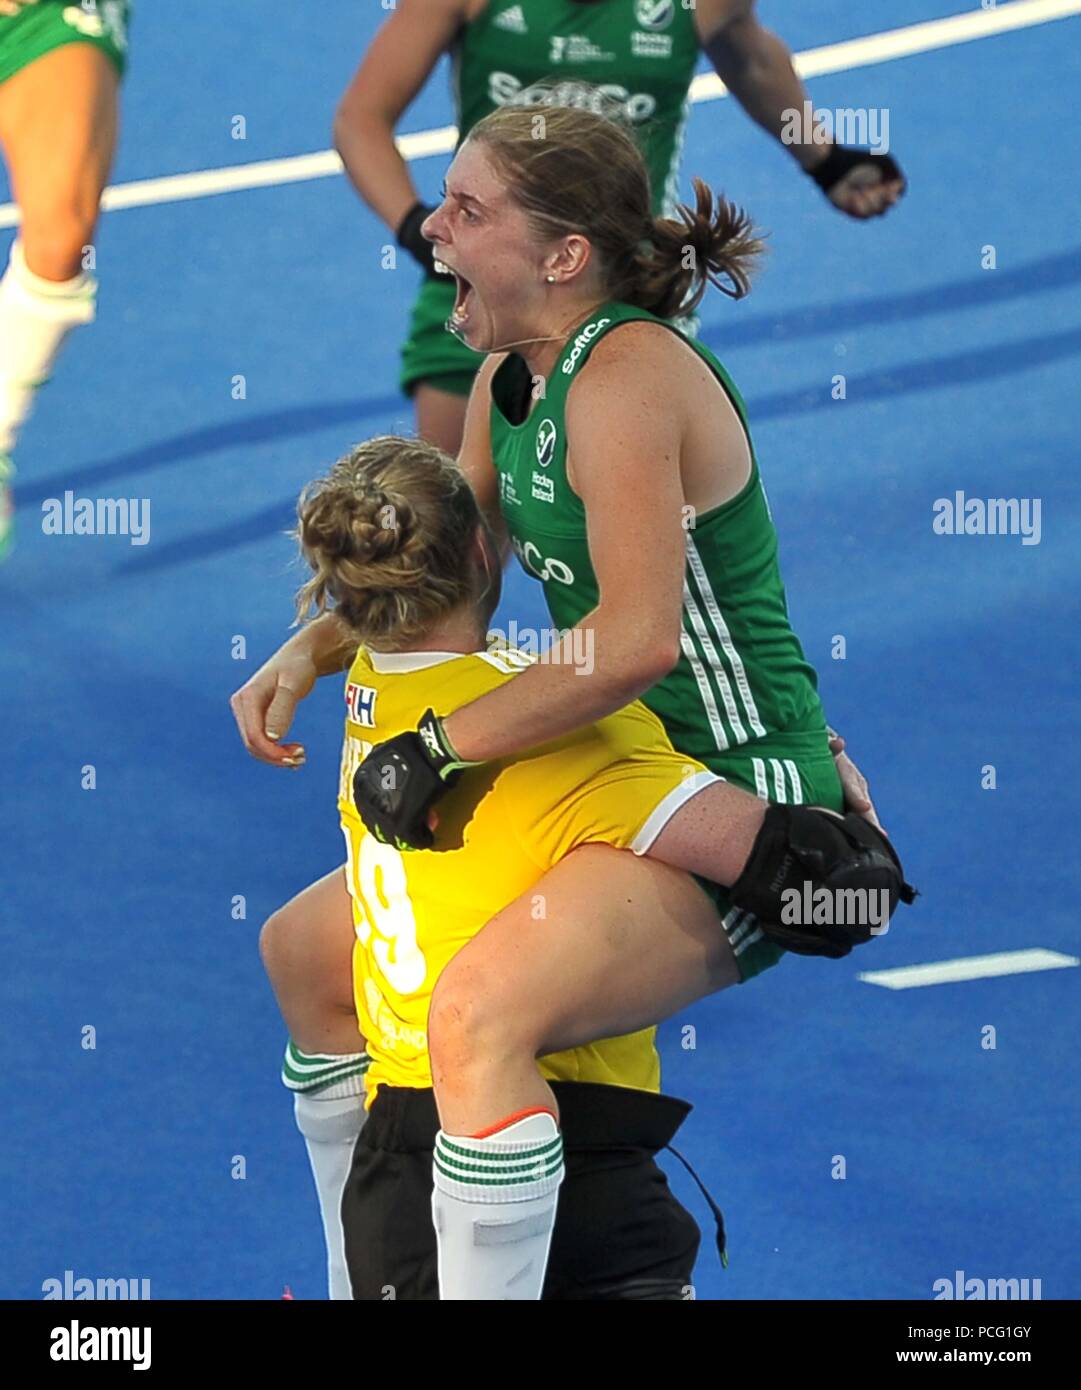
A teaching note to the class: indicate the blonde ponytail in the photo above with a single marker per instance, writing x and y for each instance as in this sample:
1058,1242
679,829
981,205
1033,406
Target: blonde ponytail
387,535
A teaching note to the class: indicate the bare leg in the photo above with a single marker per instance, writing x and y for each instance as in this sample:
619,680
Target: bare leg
440,417
307,950
58,123
58,127
712,834
624,943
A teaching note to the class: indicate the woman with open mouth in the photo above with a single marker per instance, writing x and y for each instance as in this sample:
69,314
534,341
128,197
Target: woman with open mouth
613,454
636,55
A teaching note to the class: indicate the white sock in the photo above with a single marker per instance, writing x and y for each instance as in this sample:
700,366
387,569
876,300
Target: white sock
36,316
330,1126
494,1208
332,1074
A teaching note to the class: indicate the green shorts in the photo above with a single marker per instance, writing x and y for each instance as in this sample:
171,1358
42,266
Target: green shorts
803,774
38,29
431,353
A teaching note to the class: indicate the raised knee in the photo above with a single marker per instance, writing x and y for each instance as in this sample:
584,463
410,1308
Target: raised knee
269,940
277,943
469,1020
450,1014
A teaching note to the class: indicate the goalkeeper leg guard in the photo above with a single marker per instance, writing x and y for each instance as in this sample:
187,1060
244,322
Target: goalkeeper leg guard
494,1208
820,883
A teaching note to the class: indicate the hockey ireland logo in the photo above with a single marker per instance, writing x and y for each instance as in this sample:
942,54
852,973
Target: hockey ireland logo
546,442
654,14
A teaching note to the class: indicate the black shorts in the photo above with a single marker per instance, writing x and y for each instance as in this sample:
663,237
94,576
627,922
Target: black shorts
619,1231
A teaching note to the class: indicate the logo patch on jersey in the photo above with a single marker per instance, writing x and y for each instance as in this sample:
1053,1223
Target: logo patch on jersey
540,566
651,45
546,442
504,89
544,487
576,48
97,19
513,20
508,497
360,702
581,342
654,14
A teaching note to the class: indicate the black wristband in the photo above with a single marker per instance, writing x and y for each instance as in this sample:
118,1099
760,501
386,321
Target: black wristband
443,759
410,239
841,160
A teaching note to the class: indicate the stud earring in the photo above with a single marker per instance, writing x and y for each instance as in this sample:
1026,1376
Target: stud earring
551,279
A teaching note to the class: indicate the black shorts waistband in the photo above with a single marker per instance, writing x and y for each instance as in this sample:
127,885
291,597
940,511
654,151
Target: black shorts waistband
592,1116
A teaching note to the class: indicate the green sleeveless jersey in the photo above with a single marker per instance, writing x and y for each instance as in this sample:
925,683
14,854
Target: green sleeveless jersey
742,684
570,47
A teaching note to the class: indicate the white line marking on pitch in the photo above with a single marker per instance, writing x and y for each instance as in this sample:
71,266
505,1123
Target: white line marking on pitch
815,62
945,972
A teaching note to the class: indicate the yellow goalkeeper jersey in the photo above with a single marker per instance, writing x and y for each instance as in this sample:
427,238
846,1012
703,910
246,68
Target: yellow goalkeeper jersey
500,828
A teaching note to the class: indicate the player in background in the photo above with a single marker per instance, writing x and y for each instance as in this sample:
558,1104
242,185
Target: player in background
60,71
640,53
397,544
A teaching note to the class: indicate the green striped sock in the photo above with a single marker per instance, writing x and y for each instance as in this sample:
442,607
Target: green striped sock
331,1075
497,1170
494,1209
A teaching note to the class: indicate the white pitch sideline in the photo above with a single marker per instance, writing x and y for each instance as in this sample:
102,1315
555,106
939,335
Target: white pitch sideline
945,972
862,52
